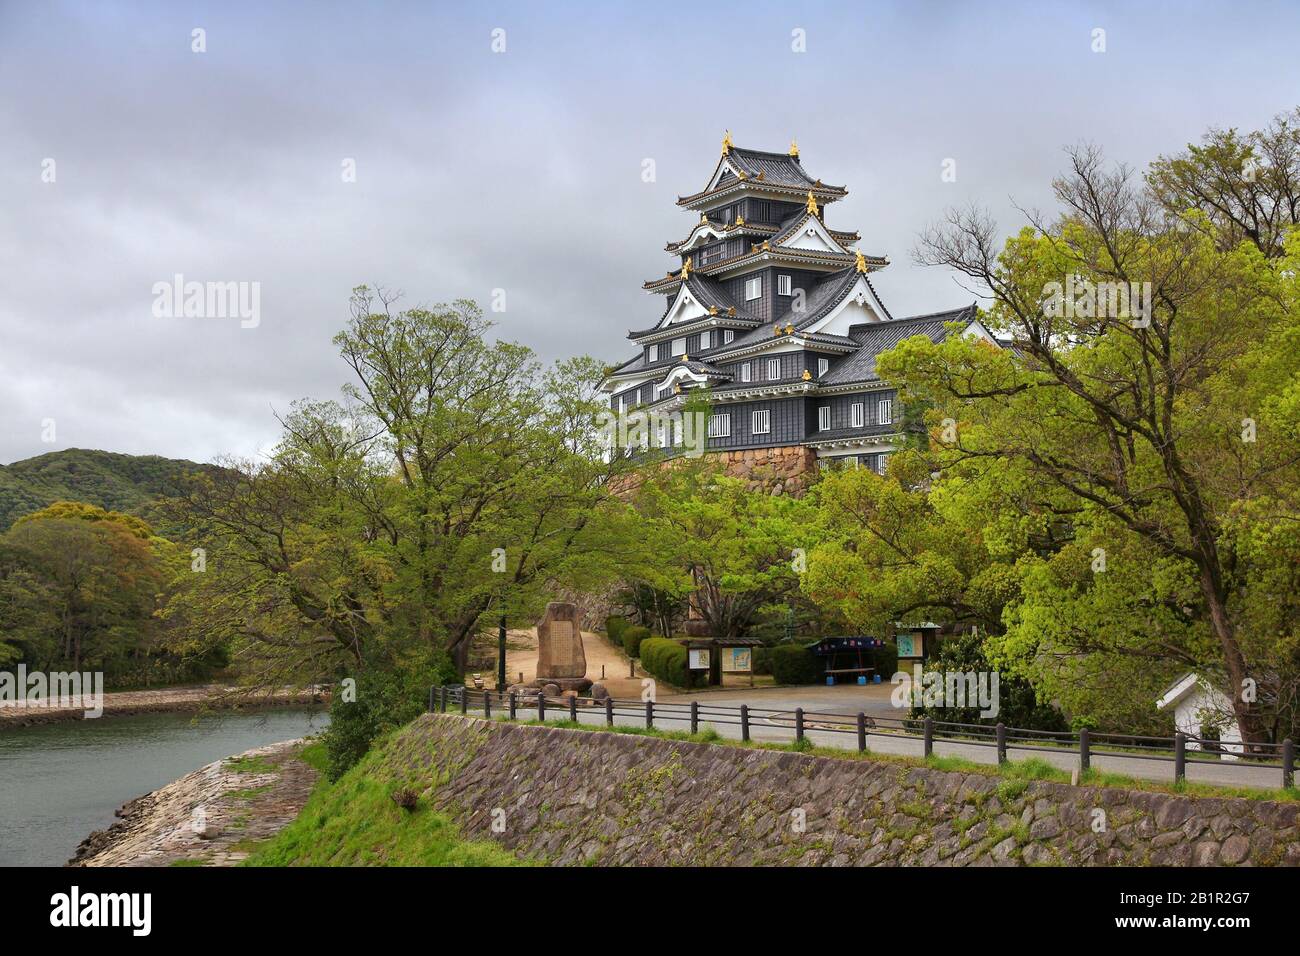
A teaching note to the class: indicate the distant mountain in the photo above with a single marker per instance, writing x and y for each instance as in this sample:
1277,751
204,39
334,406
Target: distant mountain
130,483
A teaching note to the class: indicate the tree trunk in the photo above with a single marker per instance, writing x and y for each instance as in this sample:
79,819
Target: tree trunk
1249,720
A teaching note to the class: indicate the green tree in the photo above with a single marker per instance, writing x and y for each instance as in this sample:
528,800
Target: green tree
1166,418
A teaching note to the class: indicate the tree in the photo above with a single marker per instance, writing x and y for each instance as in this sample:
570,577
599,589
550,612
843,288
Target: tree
712,541
81,584
456,482
1244,187
1150,414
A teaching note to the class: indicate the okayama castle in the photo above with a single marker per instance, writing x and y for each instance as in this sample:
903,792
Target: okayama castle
774,312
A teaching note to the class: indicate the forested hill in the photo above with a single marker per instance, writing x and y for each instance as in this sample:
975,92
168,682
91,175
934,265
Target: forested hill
129,483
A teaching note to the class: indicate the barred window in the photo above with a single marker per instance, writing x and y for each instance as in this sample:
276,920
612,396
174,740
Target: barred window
824,418
858,412
762,421
720,425
885,411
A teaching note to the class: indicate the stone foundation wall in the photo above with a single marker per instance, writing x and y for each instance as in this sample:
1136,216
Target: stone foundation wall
776,471
572,796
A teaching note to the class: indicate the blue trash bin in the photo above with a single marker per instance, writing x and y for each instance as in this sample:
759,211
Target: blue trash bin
862,680
877,678
830,681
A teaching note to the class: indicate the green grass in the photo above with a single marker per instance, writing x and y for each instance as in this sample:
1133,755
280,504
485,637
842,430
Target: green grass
1016,771
190,862
250,765
354,822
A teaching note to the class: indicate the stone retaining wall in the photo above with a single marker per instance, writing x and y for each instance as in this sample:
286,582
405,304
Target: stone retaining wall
573,796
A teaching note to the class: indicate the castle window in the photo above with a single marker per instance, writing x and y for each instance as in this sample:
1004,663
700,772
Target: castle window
782,285
857,410
762,421
881,461
773,369
679,347
823,366
720,425
744,372
753,288
824,418
885,411
727,337
704,341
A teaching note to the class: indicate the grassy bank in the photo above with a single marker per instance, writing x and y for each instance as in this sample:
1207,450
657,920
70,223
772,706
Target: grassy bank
354,821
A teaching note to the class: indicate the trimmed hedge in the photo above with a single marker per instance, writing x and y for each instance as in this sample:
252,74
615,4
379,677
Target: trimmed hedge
633,638
666,660
762,660
794,664
615,628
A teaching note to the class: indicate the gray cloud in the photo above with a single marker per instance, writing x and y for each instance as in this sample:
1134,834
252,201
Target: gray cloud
518,171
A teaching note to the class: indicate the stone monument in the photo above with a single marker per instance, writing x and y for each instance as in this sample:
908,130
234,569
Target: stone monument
560,656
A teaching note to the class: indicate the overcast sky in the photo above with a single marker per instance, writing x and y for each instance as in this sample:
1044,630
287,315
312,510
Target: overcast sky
519,170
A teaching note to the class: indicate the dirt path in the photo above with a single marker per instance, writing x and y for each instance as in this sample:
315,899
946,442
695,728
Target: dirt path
211,817
521,656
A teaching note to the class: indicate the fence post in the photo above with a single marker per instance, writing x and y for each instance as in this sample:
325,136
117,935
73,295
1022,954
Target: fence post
744,722
433,699
649,713
1085,754
442,699
929,735
609,711
798,724
1180,757
514,705
862,731
573,709
695,716
487,704
541,705
464,700
1288,763
1002,742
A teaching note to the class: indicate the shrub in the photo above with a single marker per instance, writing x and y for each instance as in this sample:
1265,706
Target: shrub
666,660
632,639
387,696
615,628
794,664
762,660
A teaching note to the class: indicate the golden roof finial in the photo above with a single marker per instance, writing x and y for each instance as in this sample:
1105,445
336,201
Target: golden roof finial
777,329
794,149
726,142
862,261
740,220
789,329
812,203
807,375
686,267
703,219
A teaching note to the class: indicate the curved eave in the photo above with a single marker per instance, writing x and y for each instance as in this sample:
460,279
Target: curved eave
725,232
854,441
823,193
719,321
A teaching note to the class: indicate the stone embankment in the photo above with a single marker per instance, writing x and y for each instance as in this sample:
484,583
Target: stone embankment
584,797
211,817
164,700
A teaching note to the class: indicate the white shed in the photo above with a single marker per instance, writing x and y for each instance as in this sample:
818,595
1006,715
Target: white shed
1201,710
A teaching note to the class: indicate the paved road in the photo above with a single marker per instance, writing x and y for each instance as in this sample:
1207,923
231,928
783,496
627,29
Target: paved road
873,701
